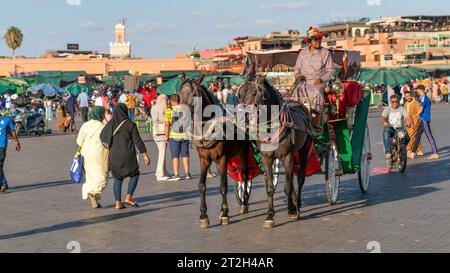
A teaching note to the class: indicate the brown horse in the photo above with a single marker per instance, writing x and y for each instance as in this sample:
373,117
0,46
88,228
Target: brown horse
293,125
219,151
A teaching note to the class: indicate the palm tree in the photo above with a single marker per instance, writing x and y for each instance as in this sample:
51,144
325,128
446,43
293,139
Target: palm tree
13,38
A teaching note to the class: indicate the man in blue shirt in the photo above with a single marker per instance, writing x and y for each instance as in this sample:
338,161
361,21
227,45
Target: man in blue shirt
83,103
6,128
424,126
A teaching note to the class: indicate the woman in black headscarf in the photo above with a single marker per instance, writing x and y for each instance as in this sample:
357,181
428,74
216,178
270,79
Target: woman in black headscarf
122,138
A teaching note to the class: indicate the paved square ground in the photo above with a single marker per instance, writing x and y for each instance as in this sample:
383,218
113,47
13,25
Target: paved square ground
43,211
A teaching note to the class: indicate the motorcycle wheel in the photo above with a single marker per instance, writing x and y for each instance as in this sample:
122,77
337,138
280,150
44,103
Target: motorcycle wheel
403,159
40,129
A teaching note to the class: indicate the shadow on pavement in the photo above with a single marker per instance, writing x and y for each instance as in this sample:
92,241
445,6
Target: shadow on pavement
389,188
84,222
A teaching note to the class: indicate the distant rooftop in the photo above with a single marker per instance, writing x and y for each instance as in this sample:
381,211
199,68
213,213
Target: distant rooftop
363,20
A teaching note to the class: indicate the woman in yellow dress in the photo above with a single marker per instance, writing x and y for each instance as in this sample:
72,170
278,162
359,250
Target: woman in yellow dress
95,157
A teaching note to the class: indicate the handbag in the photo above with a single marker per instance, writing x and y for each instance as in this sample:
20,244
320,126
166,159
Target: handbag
77,171
108,148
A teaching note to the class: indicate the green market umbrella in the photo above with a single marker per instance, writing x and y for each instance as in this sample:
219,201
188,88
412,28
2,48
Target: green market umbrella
11,87
18,81
75,88
191,74
7,89
412,73
383,76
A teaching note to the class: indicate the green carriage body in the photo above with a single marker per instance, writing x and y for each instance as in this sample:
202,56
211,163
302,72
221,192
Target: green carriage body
349,142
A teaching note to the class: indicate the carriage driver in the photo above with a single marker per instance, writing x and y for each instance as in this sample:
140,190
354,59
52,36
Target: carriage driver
315,67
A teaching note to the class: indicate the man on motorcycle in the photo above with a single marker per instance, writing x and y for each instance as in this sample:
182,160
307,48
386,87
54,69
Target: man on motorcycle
393,119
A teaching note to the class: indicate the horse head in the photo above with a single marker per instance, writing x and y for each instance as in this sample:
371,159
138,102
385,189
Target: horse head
189,90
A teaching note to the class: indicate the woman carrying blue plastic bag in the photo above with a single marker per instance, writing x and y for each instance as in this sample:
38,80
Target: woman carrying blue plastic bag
95,157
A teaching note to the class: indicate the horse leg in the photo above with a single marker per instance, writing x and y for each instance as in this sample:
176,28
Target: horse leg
222,168
244,166
270,189
304,153
204,165
288,162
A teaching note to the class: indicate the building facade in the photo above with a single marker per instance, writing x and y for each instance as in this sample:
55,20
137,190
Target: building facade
394,41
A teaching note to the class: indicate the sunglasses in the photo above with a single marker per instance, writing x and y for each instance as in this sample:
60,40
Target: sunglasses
395,101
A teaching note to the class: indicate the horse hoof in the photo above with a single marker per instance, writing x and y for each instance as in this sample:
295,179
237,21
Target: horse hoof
204,223
269,224
295,216
244,209
225,221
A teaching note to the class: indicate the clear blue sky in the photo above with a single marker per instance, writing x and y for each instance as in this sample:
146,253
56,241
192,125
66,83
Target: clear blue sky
159,29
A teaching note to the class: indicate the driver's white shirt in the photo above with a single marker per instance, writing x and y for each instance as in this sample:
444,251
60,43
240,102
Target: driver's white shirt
395,117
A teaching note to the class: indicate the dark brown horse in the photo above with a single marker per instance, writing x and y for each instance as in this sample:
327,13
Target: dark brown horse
292,135
210,150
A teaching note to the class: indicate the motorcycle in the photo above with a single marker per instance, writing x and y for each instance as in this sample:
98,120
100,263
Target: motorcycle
399,158
28,121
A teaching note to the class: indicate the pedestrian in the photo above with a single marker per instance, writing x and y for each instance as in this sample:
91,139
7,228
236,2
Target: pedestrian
132,102
390,92
413,108
8,102
71,106
147,99
121,137
435,95
48,110
159,136
177,138
105,100
83,103
61,117
95,157
6,129
445,90
230,97
225,93
97,98
122,97
425,124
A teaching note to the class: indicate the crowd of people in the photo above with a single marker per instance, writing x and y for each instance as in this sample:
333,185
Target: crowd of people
436,89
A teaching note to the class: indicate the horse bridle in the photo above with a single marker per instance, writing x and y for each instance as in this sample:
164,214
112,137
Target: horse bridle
259,97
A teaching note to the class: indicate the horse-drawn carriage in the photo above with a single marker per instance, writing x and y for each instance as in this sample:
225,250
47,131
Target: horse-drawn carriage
344,146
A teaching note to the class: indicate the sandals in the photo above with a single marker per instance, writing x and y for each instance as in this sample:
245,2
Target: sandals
94,203
132,204
121,207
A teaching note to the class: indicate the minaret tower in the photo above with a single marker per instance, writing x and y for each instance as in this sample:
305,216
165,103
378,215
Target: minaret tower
120,48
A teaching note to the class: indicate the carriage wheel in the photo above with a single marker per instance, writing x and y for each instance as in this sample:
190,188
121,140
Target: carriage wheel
239,191
333,181
364,172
